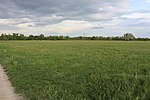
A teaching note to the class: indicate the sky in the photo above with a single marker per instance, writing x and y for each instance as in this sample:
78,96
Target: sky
76,17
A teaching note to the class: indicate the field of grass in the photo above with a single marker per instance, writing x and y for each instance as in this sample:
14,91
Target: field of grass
78,70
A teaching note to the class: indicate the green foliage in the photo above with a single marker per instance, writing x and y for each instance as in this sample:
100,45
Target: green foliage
16,36
129,36
78,70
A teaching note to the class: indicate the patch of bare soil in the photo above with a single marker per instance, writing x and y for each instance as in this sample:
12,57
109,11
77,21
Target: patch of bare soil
6,90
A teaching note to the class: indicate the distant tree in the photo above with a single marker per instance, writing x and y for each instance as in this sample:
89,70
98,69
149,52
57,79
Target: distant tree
3,37
41,37
31,37
129,36
15,36
22,37
18,36
109,38
67,38
93,38
61,38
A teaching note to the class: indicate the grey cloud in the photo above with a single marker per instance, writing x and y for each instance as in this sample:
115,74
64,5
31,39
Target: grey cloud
97,27
67,9
7,27
134,22
141,24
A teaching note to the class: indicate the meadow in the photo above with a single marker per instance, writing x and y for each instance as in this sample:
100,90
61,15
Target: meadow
78,70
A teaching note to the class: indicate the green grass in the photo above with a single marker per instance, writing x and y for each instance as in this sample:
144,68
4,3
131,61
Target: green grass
78,70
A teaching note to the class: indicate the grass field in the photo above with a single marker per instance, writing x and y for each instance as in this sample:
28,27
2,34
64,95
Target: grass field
78,70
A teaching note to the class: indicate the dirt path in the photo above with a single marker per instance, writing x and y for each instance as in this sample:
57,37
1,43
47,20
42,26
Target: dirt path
6,90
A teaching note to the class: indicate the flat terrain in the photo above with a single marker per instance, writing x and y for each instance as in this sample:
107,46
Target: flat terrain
78,70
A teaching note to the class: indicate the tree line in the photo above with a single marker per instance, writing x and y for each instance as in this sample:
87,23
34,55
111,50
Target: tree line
17,36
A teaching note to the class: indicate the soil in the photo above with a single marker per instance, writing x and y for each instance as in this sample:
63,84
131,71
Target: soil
6,90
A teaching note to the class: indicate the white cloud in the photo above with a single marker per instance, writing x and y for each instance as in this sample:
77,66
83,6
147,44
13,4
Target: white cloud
147,1
64,16
137,15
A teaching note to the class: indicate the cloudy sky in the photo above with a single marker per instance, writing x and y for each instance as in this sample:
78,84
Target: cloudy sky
76,17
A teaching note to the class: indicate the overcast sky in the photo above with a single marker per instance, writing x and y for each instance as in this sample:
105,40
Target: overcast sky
76,17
